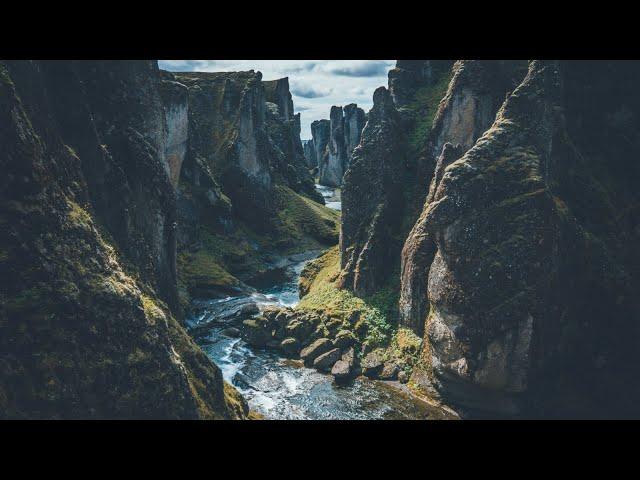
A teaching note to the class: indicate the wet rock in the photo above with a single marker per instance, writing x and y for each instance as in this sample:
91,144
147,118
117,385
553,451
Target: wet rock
247,310
325,361
257,331
299,328
372,364
290,346
344,339
232,332
313,351
389,371
344,369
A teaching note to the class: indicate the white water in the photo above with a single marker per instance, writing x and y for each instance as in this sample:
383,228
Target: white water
331,196
284,389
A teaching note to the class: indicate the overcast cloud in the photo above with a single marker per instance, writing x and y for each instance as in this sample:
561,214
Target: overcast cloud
315,85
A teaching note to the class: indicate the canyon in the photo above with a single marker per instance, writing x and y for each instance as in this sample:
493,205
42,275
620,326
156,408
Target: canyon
171,248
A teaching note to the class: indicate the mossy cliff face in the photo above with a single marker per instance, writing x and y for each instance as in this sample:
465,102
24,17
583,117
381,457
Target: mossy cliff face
474,94
86,324
515,326
519,271
372,201
244,192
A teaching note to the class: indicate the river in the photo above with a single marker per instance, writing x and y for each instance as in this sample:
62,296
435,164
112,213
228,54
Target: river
280,388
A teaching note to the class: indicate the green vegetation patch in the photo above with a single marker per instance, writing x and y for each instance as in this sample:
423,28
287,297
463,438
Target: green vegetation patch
374,325
424,107
299,217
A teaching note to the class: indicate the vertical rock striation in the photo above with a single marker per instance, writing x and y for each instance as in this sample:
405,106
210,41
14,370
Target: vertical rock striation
345,128
515,325
320,133
372,201
310,154
88,251
475,92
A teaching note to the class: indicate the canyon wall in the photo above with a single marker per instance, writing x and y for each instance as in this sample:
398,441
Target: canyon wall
334,141
519,271
128,190
88,325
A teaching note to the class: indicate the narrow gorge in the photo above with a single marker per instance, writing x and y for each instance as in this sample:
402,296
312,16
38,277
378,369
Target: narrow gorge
464,248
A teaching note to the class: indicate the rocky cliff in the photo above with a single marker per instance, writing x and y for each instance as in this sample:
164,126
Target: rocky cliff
244,193
468,108
514,325
88,283
310,154
320,132
372,200
519,271
335,141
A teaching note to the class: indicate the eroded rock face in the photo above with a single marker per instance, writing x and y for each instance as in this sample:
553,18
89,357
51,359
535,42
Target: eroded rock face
506,333
320,132
88,251
372,200
417,255
176,108
310,154
354,120
410,75
287,153
227,135
475,93
406,77
277,91
334,158
345,128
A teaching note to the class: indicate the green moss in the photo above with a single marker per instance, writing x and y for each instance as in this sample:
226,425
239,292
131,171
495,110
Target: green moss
203,269
299,217
424,107
152,312
374,325
77,215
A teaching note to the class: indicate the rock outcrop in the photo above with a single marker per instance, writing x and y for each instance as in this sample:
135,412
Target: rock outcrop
475,92
310,154
514,327
345,128
320,133
88,274
354,120
244,170
334,159
372,200
409,76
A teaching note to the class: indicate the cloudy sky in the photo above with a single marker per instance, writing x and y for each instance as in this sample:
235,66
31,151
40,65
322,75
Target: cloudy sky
316,85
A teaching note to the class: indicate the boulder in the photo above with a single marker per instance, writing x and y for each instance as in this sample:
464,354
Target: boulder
344,339
257,331
372,364
232,332
247,310
389,371
313,351
403,377
343,369
299,328
325,361
290,346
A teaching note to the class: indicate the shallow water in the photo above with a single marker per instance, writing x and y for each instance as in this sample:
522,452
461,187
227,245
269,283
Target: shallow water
331,196
280,388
